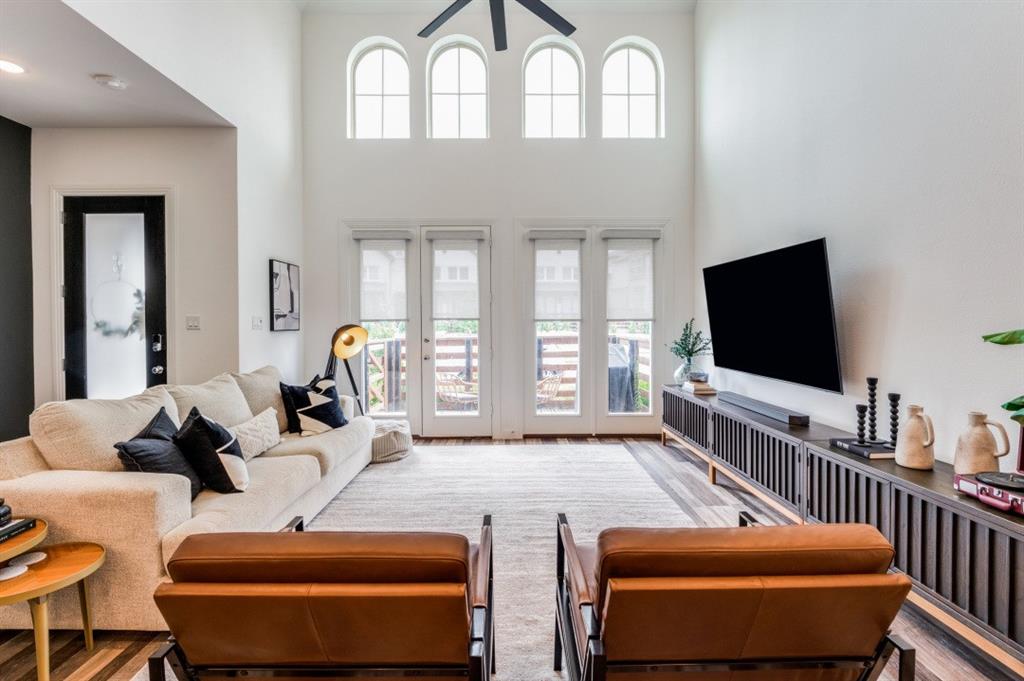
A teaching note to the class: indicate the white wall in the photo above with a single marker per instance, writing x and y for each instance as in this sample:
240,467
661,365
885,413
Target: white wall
500,180
895,130
197,165
241,59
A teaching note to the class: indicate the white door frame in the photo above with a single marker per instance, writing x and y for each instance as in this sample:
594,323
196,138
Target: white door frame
57,195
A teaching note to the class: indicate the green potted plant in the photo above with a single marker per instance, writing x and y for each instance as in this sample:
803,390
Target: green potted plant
1016,405
692,343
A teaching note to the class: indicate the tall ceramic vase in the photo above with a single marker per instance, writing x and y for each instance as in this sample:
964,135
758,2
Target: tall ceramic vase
915,445
976,450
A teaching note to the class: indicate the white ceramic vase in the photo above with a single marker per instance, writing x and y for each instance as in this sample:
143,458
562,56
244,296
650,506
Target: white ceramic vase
976,449
915,446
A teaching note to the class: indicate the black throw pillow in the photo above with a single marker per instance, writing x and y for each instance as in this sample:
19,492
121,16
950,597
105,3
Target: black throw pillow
153,451
313,408
214,452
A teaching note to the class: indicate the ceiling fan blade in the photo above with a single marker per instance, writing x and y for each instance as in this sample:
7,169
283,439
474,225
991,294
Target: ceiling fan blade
498,23
443,17
549,15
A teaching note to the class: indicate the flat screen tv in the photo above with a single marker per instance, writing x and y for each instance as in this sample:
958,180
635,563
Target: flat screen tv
771,315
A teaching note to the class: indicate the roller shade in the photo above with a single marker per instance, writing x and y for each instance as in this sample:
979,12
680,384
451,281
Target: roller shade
557,280
630,279
557,234
382,234
382,280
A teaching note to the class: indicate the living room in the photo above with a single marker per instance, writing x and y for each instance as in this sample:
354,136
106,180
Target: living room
292,279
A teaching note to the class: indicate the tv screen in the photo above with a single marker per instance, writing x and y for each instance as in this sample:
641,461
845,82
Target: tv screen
771,315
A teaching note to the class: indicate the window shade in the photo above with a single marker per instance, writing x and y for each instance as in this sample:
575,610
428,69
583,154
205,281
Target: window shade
382,294
557,280
456,280
630,279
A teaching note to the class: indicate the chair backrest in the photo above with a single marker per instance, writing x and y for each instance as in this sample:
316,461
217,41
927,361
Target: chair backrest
320,598
747,594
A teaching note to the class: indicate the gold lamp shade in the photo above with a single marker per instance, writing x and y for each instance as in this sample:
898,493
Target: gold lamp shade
349,341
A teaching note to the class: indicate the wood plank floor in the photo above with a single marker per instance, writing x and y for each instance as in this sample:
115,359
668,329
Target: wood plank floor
118,656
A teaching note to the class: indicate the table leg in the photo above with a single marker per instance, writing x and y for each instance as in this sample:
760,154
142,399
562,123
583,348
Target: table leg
41,626
83,600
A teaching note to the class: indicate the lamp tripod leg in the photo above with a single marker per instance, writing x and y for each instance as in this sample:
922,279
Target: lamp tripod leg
355,390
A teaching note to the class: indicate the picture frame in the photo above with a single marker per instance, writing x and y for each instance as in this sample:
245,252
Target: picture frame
285,296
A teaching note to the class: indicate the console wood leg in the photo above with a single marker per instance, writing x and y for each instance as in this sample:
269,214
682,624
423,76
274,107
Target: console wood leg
712,474
83,600
41,628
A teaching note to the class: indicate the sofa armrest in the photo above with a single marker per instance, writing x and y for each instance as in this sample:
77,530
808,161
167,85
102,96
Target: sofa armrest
110,508
572,565
348,406
481,575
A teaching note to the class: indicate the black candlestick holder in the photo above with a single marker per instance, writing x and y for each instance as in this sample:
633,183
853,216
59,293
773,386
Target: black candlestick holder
872,407
862,409
894,417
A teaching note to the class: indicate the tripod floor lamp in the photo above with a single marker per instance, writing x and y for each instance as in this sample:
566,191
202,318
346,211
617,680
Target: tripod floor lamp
348,342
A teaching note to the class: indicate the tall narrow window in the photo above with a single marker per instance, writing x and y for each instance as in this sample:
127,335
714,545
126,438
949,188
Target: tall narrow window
458,92
557,318
630,315
383,309
380,94
632,92
552,91
456,319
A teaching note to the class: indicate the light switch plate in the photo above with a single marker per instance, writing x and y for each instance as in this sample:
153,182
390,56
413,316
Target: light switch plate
192,322
257,322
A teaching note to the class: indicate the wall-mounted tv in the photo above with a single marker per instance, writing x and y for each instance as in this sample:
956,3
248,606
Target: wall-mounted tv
771,315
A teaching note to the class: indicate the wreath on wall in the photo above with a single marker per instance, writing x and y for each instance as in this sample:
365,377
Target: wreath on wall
111,298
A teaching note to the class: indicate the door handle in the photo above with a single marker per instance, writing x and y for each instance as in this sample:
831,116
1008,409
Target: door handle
158,342
157,370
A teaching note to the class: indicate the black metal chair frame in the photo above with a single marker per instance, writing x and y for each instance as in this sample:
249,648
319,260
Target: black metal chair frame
481,659
594,665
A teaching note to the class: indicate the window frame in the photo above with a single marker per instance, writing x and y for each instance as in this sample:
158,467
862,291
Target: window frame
439,48
654,54
360,52
573,50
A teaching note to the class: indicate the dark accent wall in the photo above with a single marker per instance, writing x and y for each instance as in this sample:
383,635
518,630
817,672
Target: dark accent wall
17,391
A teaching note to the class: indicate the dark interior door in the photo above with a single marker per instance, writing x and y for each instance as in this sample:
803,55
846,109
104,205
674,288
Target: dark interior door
115,300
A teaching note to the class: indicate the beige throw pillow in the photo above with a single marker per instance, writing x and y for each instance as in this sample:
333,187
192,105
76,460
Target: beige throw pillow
219,399
258,434
262,390
79,435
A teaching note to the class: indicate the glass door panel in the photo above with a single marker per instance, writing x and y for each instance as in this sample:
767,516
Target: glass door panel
384,312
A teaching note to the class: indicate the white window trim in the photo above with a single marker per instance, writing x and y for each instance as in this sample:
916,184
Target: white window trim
362,48
558,42
652,51
439,48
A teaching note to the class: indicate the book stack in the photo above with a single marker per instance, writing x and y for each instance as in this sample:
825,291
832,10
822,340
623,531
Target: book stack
699,388
13,528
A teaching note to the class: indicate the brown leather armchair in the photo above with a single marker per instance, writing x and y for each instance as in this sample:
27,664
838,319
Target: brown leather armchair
329,605
792,603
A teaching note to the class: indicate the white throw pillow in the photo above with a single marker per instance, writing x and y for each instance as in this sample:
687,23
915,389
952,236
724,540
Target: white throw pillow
258,434
262,389
219,399
79,435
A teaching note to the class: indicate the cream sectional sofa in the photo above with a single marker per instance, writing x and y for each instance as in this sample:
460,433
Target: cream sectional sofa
67,473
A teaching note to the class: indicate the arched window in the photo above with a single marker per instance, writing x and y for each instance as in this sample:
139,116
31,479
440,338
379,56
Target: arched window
633,85
553,89
378,90
457,83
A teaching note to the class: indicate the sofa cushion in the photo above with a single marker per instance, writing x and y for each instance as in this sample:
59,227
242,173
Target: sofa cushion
330,448
258,434
154,451
262,390
80,434
274,485
313,409
219,399
214,453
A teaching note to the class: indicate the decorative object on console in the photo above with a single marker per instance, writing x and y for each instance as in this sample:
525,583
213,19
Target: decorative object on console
348,341
872,409
154,450
1016,405
213,452
866,444
976,449
690,344
1004,491
313,408
699,388
916,448
285,292
894,418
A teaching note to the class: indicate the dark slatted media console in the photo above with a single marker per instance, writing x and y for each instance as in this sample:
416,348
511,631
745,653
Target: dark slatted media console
966,560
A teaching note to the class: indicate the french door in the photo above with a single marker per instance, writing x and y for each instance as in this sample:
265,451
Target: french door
424,297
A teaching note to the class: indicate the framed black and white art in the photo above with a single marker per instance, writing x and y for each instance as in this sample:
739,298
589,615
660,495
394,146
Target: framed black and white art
284,296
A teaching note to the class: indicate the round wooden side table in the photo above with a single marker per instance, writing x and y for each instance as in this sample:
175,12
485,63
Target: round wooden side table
65,564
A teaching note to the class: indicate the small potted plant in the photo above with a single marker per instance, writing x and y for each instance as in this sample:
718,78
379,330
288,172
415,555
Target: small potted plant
689,345
1016,405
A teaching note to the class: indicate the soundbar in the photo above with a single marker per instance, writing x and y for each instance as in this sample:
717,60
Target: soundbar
793,418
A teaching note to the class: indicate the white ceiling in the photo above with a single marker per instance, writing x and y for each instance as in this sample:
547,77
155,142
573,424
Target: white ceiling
437,6
60,50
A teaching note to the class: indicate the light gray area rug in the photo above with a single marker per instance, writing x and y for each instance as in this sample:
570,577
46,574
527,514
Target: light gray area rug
523,488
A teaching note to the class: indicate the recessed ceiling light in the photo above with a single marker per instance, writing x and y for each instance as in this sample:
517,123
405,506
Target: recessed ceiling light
112,82
10,67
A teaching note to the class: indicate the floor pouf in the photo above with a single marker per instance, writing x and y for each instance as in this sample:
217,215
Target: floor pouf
392,440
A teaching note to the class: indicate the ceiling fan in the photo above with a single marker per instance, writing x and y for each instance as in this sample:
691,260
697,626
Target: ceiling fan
538,7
